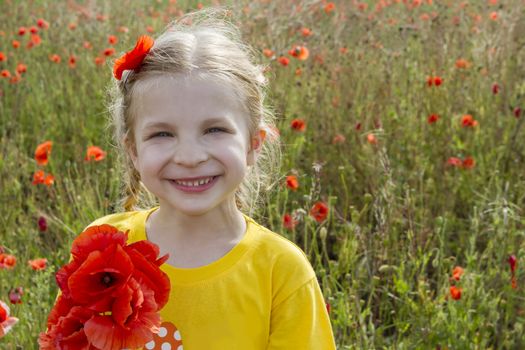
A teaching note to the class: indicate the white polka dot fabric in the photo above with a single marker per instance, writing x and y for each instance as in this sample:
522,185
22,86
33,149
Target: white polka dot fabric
168,338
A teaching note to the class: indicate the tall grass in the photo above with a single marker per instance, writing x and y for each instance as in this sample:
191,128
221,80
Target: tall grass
401,218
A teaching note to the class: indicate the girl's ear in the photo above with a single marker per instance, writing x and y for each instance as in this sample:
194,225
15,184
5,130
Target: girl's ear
256,146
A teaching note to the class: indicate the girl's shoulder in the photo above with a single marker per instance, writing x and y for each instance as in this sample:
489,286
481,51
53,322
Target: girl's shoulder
289,266
123,221
280,252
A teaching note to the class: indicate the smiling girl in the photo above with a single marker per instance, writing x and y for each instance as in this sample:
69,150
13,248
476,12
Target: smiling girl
190,120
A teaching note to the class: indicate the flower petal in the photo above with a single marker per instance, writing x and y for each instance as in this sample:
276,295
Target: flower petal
133,58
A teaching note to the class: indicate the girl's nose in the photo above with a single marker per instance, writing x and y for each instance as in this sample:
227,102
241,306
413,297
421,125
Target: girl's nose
189,153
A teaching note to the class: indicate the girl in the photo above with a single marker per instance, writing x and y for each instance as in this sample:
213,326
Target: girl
190,120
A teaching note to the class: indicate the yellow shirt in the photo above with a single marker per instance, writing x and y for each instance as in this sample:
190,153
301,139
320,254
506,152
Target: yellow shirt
263,294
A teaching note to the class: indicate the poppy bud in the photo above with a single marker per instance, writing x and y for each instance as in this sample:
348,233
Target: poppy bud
42,224
512,262
495,88
517,112
15,295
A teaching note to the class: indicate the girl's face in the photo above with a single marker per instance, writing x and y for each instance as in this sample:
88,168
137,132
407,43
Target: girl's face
189,131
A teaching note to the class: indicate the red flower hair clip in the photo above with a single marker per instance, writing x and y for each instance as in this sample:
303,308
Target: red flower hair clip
132,59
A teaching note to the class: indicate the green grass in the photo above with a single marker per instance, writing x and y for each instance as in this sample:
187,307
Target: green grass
400,218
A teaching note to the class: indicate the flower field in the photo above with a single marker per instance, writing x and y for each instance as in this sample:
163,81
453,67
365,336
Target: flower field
403,156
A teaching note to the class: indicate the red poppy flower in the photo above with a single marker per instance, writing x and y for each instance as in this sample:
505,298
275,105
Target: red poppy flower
66,327
289,222
133,321
362,6
468,163
284,61
300,52
111,293
55,58
268,53
329,7
457,272
21,68
42,152
6,322
434,81
15,78
7,261
455,292
433,118
338,138
42,23
468,121
319,211
95,153
371,138
298,125
112,39
109,52
16,44
38,264
133,59
49,180
292,183
35,40
21,31
72,62
462,63
38,177
99,61
454,161
306,32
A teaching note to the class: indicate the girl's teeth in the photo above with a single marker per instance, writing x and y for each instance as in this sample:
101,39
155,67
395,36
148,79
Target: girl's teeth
194,183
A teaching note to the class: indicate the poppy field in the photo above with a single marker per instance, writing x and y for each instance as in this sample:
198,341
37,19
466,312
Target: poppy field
403,156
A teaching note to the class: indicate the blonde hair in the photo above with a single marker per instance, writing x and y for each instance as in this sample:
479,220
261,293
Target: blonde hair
202,41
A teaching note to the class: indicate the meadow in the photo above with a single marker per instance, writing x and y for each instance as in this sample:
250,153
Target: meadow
403,173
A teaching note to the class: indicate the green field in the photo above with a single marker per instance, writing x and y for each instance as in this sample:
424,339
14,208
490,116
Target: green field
413,138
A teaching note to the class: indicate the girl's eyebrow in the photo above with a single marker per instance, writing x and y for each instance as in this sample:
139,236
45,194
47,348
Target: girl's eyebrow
152,125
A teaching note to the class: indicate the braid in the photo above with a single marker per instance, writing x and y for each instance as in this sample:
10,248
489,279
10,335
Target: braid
132,190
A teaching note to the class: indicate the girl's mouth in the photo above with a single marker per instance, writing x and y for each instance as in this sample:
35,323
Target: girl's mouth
194,186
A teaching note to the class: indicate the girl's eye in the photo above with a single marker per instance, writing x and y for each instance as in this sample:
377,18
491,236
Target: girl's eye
215,130
160,133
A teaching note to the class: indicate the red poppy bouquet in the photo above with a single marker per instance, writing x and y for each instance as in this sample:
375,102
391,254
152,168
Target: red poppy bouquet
111,294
